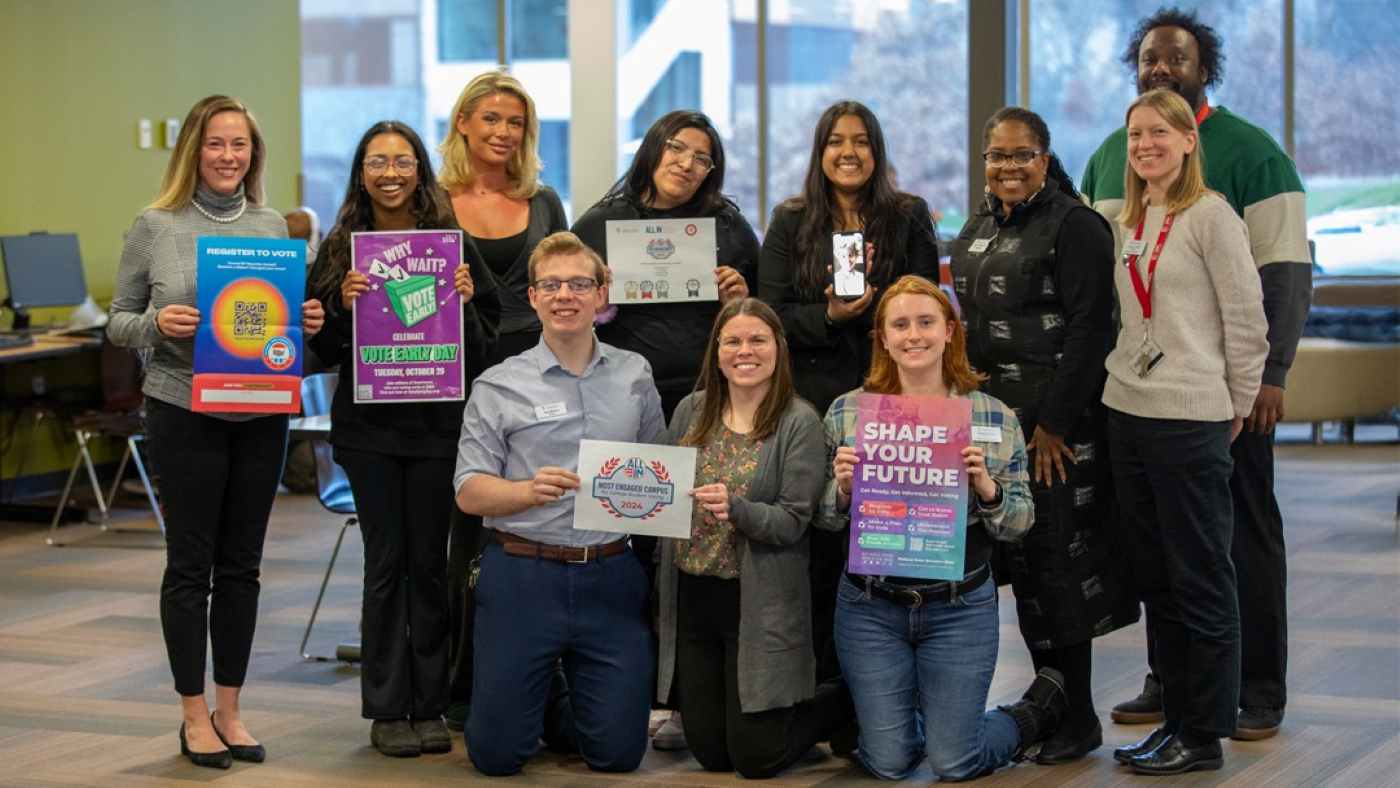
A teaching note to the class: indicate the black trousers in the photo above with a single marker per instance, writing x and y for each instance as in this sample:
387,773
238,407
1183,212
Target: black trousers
1261,572
218,480
1173,478
721,736
404,505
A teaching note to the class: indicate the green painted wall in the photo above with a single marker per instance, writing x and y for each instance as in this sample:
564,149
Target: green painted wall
75,78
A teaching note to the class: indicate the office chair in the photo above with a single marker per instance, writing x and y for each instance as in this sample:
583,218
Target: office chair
120,416
333,489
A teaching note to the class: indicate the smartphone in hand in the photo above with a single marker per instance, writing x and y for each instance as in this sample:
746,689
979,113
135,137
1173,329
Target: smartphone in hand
848,265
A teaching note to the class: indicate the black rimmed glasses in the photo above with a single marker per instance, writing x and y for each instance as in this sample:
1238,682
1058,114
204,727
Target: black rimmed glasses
684,153
403,165
579,284
1021,158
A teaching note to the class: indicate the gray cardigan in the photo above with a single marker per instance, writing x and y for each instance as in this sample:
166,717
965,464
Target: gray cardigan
776,665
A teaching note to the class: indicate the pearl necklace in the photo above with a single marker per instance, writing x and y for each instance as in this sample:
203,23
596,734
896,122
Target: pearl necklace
242,206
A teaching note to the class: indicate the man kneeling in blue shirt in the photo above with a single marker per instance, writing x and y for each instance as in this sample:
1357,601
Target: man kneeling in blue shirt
546,593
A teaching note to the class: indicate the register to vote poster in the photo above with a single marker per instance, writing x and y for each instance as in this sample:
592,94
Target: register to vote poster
408,326
247,349
909,495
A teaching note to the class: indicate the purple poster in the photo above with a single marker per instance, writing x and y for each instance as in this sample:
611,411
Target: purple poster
909,496
408,326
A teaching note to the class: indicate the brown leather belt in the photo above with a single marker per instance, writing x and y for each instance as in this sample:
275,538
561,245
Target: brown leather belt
521,547
938,592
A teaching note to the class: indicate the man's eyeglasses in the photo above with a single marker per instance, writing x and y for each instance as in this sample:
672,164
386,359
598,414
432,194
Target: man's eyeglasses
1021,158
683,153
579,285
403,165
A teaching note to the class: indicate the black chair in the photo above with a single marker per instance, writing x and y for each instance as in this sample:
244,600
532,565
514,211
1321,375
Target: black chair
121,416
333,489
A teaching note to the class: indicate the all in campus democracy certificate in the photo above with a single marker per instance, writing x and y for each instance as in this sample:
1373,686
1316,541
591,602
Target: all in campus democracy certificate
408,325
909,495
247,348
661,260
635,488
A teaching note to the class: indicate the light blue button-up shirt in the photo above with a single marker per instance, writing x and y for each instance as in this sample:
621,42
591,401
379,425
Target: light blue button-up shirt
529,411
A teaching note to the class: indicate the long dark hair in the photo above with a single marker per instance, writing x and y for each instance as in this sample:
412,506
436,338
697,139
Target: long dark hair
638,187
1041,133
878,205
716,387
430,206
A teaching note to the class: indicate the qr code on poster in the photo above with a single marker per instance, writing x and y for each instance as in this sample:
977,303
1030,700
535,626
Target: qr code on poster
366,392
249,318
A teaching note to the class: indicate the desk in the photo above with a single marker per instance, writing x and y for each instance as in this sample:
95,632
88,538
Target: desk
48,346
309,428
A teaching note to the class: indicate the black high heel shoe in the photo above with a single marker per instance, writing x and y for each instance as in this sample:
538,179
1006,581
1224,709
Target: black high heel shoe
213,760
252,753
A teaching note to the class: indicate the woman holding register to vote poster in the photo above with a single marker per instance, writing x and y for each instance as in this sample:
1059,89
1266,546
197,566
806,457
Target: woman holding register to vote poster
218,471
399,456
919,654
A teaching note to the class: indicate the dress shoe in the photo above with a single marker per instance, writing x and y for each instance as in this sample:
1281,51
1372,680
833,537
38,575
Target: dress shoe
1174,757
1152,742
396,738
1257,722
1040,711
214,760
252,753
1061,749
1145,708
432,735
456,717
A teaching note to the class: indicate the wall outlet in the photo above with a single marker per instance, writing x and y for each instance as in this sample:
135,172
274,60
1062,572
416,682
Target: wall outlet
172,132
143,134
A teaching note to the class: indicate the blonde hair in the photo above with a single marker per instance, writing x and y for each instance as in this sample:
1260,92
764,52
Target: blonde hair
1190,185
182,173
523,169
565,244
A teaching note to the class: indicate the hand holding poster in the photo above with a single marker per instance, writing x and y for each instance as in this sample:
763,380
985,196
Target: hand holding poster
909,495
635,488
658,260
408,326
247,348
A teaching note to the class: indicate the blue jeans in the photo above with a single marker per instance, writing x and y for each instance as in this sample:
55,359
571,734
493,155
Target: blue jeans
920,680
532,614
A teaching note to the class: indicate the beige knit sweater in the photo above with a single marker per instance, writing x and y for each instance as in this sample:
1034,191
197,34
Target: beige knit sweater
1207,318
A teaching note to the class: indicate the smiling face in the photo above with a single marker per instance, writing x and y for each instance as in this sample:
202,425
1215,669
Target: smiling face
748,352
1170,58
1157,149
678,175
226,153
1012,184
494,130
915,333
564,313
390,191
847,160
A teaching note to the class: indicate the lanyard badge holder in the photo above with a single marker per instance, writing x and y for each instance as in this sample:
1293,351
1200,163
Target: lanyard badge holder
1149,355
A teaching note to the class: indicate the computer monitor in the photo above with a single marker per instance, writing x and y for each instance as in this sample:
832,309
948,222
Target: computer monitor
42,269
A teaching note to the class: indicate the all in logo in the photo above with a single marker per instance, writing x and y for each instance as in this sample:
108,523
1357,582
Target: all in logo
660,248
633,488
279,353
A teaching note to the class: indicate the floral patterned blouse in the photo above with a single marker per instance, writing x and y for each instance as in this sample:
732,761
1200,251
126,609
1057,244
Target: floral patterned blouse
731,460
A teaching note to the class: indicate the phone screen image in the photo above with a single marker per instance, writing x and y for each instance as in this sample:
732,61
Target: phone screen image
848,264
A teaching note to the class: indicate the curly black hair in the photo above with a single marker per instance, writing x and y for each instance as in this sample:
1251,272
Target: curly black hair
1212,49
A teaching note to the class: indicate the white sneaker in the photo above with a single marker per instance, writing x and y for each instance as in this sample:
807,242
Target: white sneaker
671,735
658,718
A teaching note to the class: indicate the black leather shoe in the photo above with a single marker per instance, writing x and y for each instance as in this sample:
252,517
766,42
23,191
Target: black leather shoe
1152,742
252,753
1061,749
1257,722
1144,709
213,760
1174,757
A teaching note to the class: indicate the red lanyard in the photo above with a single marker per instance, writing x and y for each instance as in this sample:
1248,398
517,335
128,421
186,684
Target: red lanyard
1144,290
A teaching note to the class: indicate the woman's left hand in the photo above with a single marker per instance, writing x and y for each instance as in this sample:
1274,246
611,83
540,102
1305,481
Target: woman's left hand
462,280
731,284
714,498
312,318
975,459
1050,452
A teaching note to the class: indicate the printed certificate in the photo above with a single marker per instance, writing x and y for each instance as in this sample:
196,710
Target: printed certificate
408,326
660,260
635,488
247,349
909,495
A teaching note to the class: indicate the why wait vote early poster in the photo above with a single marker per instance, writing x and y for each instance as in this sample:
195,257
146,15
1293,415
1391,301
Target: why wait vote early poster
909,501
408,325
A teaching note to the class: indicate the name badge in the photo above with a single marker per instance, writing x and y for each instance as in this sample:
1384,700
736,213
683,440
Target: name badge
1134,247
979,246
552,411
984,433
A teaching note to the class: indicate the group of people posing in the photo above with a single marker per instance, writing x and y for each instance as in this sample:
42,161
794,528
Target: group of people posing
1113,357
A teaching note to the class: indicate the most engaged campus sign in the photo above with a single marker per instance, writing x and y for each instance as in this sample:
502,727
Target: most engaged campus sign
635,488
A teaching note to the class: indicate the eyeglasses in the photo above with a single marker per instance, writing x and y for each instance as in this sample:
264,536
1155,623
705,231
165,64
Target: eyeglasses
1021,158
683,153
758,343
403,165
579,285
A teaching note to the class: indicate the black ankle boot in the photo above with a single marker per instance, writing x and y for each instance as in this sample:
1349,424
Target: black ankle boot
1040,711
